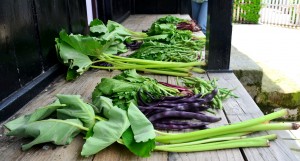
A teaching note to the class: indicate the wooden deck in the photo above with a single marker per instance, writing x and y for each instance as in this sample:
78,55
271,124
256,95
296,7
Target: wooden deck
235,110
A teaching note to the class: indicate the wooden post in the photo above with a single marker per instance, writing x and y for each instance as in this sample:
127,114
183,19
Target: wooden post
219,30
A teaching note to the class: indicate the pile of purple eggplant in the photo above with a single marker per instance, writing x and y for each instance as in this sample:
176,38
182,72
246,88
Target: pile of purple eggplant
178,112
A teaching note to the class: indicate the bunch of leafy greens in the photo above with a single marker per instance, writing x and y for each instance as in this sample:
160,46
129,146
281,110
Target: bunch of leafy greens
166,43
103,125
166,52
123,88
170,20
81,52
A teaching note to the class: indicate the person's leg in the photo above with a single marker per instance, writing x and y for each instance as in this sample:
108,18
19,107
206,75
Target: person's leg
195,10
202,19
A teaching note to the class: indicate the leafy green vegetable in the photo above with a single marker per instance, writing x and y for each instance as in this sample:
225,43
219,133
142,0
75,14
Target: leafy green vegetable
142,149
76,108
169,20
106,132
123,88
37,115
78,62
81,52
60,132
141,127
166,52
121,92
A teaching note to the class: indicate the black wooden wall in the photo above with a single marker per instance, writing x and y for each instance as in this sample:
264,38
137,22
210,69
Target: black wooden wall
27,52
28,27
161,6
119,10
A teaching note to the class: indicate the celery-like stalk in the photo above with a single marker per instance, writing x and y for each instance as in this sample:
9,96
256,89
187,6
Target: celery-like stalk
201,134
242,143
270,126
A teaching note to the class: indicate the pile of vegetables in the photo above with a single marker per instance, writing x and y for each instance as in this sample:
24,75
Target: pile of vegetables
130,108
99,49
181,24
171,44
166,52
116,115
104,123
167,106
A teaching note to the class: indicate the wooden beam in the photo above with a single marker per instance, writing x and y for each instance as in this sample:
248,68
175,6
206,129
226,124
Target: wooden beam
219,29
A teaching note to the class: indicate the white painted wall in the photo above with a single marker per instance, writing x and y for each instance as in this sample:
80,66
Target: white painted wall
89,10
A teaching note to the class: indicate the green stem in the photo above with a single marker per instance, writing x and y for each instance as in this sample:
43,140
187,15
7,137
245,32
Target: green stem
70,123
99,118
198,70
165,72
135,66
211,140
201,134
151,61
162,133
270,126
253,142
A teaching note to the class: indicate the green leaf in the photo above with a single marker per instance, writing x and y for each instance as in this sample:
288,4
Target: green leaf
103,104
84,44
141,127
76,108
38,114
117,28
60,132
72,74
142,149
97,26
109,86
106,132
76,60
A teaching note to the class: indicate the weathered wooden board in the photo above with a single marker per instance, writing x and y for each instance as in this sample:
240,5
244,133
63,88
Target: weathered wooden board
235,110
244,108
277,150
217,155
11,146
243,104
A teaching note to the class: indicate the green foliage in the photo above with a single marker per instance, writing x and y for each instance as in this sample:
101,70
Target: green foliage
64,119
60,132
107,132
167,52
37,115
123,88
249,10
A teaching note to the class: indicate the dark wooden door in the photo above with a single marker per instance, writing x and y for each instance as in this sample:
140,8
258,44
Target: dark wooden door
27,47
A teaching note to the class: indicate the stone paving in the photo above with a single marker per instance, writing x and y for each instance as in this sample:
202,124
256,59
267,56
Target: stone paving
266,59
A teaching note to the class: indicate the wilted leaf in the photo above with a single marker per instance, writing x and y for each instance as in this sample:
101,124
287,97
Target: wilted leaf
38,114
76,108
60,132
106,132
141,127
142,149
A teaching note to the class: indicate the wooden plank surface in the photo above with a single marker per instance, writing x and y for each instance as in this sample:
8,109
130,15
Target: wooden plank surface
217,155
244,108
235,110
243,104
